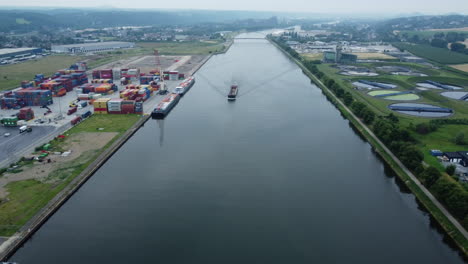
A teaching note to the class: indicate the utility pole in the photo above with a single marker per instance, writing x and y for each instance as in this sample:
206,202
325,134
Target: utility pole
162,84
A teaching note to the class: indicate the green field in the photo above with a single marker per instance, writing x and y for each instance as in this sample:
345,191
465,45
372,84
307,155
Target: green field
12,75
27,197
425,34
439,55
22,21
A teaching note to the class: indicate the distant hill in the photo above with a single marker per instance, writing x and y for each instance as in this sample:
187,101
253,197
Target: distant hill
21,21
26,21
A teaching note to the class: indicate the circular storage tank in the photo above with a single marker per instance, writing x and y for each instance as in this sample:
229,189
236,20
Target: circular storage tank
421,110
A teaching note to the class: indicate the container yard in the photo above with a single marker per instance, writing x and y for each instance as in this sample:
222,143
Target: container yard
57,105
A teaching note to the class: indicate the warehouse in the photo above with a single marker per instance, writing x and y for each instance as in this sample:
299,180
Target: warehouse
12,53
92,47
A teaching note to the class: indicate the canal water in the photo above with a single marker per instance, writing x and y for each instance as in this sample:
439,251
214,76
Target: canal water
278,176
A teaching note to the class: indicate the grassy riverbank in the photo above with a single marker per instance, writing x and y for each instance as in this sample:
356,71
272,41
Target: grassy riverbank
27,197
413,184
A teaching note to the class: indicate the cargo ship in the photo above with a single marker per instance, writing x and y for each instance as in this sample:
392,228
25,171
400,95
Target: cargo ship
184,86
233,92
165,106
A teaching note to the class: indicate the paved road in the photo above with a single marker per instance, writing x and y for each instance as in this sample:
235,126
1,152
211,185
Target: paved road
9,146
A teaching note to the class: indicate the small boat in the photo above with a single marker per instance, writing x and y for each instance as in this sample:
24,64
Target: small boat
233,92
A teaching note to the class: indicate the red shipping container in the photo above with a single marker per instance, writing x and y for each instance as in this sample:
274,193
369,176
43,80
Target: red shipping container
100,109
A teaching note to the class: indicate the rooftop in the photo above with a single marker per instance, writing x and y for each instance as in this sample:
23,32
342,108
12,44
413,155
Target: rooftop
92,44
453,155
12,50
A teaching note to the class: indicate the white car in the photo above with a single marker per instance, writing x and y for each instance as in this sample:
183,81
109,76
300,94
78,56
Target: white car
6,134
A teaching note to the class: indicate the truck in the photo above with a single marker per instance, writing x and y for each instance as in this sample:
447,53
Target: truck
86,114
9,121
25,129
76,120
72,110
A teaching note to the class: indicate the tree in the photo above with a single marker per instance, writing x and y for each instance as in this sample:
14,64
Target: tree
367,115
347,98
430,176
393,118
444,188
425,128
450,169
458,47
458,203
460,138
439,43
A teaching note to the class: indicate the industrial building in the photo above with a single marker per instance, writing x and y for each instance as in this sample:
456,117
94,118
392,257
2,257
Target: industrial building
338,57
92,47
18,52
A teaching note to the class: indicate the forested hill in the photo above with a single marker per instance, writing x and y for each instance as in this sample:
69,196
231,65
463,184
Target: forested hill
23,21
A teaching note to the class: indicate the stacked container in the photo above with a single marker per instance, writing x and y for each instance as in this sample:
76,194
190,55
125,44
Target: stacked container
103,74
8,101
155,72
146,79
102,81
32,97
39,78
127,107
87,88
53,86
27,84
139,108
100,105
26,113
103,88
114,106
173,75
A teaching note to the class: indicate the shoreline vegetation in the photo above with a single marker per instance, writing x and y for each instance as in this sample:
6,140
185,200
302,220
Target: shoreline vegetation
397,146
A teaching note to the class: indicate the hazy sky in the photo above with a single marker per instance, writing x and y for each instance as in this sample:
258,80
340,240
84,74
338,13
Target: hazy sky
321,6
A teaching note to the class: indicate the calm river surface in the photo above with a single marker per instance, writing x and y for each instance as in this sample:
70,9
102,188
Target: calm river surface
276,177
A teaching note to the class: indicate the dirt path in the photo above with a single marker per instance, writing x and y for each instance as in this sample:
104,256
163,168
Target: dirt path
77,143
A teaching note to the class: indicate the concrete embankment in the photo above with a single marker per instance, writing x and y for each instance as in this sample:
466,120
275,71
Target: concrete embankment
422,194
13,243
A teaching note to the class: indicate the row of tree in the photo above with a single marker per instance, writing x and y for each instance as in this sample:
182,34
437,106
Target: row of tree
401,142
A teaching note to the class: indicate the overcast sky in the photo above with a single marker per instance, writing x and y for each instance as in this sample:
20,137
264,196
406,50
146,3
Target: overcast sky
316,6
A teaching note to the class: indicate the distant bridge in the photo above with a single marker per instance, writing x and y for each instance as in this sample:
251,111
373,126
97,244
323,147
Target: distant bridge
249,38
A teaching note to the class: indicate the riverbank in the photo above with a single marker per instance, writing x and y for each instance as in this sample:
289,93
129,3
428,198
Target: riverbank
450,225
